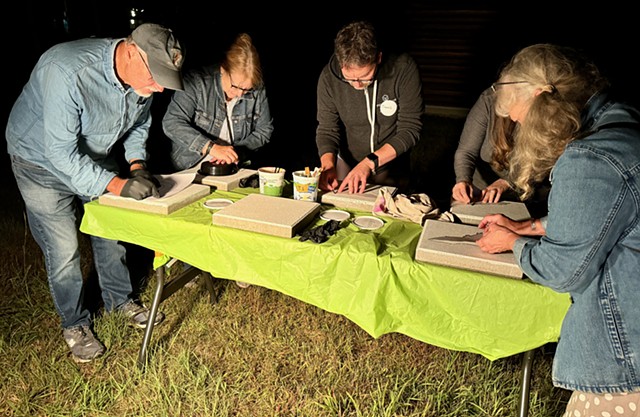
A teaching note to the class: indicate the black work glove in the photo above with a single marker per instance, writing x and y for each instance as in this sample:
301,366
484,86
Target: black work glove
143,173
251,181
139,188
320,234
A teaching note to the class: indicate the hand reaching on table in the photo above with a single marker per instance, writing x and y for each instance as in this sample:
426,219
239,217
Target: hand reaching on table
143,173
464,192
496,238
137,187
142,183
223,154
499,232
499,219
494,191
328,179
356,179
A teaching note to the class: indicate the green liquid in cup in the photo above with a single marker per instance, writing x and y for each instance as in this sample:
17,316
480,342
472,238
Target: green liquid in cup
272,190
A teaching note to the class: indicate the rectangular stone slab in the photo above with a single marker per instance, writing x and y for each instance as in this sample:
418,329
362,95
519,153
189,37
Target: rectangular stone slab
364,201
228,182
453,245
277,216
166,205
473,213
222,182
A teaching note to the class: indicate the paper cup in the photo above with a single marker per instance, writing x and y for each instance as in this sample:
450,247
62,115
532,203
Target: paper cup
305,188
271,180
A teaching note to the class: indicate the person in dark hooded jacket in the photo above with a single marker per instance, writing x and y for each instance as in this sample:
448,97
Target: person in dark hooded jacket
369,113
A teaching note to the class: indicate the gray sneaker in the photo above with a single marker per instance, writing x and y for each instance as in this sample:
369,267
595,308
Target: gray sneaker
83,344
138,314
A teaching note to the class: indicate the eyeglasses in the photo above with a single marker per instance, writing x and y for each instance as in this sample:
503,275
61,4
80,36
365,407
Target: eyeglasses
495,85
150,79
358,80
244,90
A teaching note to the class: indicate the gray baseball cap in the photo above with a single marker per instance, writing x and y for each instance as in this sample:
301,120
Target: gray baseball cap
164,54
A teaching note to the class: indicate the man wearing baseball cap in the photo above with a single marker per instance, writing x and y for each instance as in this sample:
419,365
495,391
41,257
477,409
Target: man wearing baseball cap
163,53
82,98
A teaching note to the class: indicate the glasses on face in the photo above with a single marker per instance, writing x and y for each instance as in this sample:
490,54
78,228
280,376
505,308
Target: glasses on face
494,86
359,80
243,90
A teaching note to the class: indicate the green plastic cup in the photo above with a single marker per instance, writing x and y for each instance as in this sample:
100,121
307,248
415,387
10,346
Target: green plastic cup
271,180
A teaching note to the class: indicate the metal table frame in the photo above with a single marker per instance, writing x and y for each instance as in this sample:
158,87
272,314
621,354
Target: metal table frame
165,290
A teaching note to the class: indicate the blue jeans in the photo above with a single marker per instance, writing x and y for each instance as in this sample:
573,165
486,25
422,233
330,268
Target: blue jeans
52,211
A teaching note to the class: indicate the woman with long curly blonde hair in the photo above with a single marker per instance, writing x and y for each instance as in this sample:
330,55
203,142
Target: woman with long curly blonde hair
571,128
555,94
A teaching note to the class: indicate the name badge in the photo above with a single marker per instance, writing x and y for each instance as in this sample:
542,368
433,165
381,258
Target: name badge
388,107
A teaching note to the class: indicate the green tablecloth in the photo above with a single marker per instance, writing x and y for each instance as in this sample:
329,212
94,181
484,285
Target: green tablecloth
370,277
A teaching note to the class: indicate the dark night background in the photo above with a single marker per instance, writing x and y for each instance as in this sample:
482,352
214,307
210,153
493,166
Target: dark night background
459,46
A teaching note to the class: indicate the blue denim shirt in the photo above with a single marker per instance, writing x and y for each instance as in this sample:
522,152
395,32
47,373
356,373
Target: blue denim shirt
196,115
592,250
71,113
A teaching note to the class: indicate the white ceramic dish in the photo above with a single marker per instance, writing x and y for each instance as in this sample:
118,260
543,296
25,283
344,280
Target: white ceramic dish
338,215
368,222
217,203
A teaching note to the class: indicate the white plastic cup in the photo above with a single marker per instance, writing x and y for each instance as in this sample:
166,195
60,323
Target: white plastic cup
271,180
305,188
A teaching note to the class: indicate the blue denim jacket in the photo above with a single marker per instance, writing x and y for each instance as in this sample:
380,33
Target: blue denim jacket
196,115
592,250
71,113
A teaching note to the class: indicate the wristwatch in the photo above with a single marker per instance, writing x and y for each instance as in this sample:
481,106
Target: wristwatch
141,162
373,158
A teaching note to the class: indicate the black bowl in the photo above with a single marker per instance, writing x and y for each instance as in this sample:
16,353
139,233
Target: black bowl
211,168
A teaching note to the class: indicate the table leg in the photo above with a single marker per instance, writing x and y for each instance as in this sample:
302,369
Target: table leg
157,298
164,291
208,283
527,364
